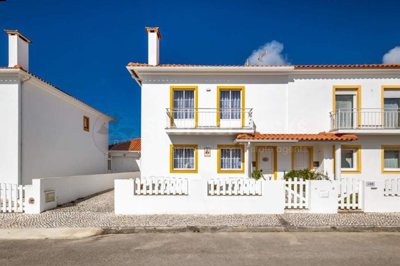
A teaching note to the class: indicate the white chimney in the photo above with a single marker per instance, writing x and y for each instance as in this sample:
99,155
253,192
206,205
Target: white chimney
154,37
18,49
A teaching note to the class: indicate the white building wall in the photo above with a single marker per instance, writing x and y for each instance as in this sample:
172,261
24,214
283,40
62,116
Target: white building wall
281,104
9,133
124,162
53,140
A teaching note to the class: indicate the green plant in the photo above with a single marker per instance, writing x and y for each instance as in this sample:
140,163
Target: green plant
257,174
305,174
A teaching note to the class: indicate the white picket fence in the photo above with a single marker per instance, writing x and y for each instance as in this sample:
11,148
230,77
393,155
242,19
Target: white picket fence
12,198
350,194
392,187
297,193
161,186
234,187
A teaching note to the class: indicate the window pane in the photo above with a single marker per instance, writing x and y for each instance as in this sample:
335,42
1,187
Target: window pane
231,158
392,159
347,159
183,104
344,111
230,104
184,158
392,110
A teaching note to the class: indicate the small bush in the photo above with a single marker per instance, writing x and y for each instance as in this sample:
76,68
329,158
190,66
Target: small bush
257,174
305,174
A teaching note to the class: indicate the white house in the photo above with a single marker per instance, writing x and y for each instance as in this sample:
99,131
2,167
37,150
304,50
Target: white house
124,156
45,132
210,121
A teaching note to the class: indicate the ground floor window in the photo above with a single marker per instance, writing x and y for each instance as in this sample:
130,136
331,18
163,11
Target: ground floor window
230,159
351,159
391,158
183,158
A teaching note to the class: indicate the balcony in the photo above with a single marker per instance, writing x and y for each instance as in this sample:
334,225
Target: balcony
209,121
366,120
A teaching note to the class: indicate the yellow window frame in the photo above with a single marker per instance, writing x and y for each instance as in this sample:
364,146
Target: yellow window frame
358,166
196,102
229,171
357,89
183,171
388,147
242,95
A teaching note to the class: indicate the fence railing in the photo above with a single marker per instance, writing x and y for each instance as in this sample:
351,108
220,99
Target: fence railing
12,198
297,193
161,186
209,118
366,118
234,187
392,187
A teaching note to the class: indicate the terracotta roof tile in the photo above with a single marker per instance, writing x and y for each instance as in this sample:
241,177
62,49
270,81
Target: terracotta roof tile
349,66
130,145
323,136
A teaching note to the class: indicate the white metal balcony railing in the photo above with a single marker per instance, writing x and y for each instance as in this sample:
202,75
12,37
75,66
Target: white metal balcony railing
366,118
209,118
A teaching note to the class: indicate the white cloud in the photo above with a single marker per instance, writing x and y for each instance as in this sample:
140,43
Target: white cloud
268,54
392,57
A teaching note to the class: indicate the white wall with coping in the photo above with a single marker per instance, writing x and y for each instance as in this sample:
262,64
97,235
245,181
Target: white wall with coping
68,188
323,196
198,202
376,201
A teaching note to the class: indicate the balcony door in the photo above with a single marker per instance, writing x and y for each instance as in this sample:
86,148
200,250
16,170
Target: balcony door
183,108
230,108
345,111
391,112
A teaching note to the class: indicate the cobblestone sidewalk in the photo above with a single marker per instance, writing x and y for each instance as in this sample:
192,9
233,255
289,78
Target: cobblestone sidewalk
98,211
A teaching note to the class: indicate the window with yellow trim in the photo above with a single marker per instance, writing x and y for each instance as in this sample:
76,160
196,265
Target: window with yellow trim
230,159
391,159
184,158
350,158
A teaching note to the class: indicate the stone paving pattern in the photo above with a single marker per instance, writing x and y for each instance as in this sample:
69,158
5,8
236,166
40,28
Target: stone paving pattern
97,211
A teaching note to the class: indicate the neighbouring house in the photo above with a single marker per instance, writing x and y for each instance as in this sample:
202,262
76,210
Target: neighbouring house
124,156
224,120
45,131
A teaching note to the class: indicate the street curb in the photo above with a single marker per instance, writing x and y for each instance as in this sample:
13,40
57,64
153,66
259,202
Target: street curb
49,233
255,229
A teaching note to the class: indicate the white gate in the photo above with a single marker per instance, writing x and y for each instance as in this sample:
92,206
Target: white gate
297,194
12,198
350,194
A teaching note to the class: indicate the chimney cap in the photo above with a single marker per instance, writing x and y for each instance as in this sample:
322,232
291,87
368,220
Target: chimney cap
154,29
17,32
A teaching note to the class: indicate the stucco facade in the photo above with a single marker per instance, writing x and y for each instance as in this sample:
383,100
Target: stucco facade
273,100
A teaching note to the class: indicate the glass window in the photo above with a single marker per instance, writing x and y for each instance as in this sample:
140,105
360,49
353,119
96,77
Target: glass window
231,158
392,159
183,104
344,111
349,158
230,104
184,158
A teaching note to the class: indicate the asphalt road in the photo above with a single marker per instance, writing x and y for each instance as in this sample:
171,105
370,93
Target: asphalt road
191,249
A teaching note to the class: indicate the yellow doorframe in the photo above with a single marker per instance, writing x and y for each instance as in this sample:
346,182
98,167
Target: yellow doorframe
275,152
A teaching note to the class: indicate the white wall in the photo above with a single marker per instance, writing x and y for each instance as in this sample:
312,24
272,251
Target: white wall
9,133
68,188
197,201
295,103
53,140
124,161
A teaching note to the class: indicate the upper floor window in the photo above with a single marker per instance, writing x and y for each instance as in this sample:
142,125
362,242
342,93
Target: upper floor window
231,107
86,123
391,106
391,159
347,106
183,106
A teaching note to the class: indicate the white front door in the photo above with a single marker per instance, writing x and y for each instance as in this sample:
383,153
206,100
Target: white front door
266,162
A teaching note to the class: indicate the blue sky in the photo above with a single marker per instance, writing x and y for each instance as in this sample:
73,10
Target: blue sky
83,46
